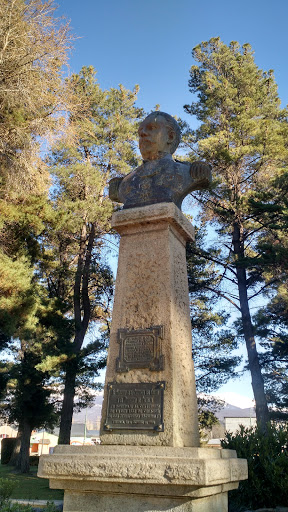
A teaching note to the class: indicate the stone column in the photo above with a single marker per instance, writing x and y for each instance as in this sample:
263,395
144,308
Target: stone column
152,292
149,459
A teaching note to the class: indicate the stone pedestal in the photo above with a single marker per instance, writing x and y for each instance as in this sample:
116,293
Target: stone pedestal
143,478
152,290
149,459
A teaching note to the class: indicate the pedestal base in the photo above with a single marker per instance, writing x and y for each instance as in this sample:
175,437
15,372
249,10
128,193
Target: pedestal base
143,479
74,502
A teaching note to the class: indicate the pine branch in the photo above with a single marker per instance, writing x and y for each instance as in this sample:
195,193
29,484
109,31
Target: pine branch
223,296
273,281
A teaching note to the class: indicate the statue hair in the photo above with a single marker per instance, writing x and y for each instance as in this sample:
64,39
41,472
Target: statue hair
172,123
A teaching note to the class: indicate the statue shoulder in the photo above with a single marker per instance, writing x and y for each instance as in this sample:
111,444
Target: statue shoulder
114,185
183,162
201,173
183,166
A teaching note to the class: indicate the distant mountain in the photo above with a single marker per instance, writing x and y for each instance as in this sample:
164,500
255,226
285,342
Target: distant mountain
231,411
93,414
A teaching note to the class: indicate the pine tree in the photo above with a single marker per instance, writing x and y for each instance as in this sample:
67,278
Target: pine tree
98,143
241,135
271,321
213,341
33,50
27,400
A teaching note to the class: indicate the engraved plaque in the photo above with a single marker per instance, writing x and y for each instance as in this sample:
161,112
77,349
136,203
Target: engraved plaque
140,349
135,406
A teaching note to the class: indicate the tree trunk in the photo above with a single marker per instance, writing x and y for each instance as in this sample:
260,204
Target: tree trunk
16,451
23,459
81,319
262,413
68,404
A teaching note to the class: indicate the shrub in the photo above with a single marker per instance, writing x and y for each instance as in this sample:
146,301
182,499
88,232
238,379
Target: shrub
16,507
6,489
267,456
7,447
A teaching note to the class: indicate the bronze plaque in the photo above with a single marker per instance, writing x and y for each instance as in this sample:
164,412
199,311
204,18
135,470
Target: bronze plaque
135,406
140,349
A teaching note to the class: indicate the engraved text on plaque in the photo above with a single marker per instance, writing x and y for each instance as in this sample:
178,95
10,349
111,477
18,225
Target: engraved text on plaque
140,349
135,406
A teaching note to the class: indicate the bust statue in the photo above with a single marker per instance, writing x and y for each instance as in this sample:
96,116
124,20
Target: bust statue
160,178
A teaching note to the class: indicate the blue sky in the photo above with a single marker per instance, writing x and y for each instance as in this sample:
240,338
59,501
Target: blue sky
149,43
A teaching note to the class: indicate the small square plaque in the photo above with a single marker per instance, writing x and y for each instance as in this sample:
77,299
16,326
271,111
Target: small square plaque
135,406
140,349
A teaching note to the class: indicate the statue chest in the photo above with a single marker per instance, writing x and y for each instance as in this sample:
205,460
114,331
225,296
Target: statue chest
153,183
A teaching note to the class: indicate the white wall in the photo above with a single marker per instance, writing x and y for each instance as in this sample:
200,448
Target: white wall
233,424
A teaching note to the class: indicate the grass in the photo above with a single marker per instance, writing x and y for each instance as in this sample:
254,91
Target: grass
29,486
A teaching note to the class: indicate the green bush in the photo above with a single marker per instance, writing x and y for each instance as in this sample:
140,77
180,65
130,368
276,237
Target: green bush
267,456
7,447
6,489
16,507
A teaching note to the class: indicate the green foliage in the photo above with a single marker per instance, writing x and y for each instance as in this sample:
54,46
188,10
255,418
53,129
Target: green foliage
33,47
28,396
213,341
6,489
267,456
16,282
271,324
238,105
207,407
271,321
98,143
17,507
28,486
7,447
243,134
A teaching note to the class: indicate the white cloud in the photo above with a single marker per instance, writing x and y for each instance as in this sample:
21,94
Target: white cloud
235,399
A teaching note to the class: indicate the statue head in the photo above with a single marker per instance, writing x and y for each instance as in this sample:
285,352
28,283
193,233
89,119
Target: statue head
159,134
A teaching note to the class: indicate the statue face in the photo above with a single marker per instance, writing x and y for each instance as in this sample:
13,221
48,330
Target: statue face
155,137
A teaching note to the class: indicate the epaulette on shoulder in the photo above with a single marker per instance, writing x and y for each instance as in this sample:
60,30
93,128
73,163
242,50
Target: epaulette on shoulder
182,162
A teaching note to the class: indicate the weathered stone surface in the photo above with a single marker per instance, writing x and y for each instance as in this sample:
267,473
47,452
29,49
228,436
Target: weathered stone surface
152,289
127,221
73,502
144,465
142,478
